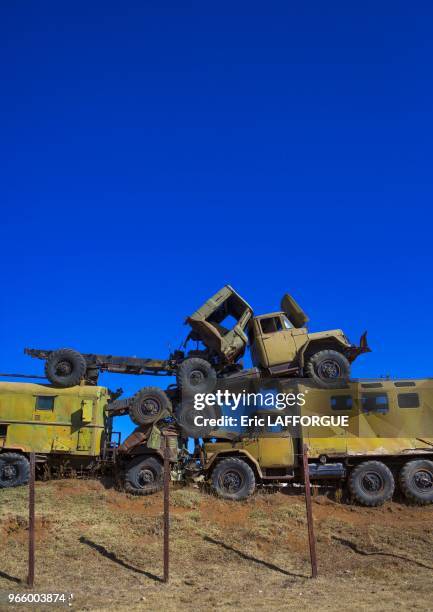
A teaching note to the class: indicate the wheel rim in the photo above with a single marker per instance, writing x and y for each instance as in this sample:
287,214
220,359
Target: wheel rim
146,477
372,482
63,368
8,472
329,369
196,378
231,481
423,481
150,407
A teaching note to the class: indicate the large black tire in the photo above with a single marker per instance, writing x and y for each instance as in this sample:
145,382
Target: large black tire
14,470
371,483
328,368
144,476
185,415
233,478
65,368
416,481
195,375
149,405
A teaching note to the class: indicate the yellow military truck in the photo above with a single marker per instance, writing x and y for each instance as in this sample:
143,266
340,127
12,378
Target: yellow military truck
73,427
387,443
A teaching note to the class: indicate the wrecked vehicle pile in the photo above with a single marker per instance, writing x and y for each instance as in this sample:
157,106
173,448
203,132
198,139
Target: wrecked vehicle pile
382,446
280,346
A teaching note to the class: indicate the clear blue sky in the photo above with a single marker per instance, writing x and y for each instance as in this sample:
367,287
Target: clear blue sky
152,152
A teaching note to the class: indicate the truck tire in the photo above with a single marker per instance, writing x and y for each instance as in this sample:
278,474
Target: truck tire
185,415
65,368
416,481
329,369
371,483
195,375
144,476
149,405
232,478
14,470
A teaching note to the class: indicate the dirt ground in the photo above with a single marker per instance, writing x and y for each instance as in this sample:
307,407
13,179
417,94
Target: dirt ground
105,548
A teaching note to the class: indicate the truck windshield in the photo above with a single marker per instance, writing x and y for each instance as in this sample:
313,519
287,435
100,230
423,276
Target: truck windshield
270,325
286,322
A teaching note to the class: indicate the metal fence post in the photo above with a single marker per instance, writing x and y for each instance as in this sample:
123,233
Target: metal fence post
166,508
31,572
311,538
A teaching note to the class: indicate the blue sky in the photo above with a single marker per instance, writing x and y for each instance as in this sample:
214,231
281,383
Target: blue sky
153,152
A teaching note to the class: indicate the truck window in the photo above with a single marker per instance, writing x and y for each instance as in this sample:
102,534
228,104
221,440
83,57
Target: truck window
44,402
341,402
403,383
375,402
371,385
408,400
271,325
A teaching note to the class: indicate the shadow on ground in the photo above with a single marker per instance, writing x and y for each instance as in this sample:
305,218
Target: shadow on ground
355,548
266,564
113,557
10,578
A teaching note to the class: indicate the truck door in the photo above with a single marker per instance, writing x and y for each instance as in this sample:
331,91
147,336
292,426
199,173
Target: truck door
84,440
278,341
275,444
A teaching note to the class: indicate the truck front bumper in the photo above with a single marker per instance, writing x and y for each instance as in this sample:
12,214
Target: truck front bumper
354,351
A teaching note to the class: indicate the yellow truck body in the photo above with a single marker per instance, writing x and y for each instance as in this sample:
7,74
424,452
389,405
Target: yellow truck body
389,417
45,419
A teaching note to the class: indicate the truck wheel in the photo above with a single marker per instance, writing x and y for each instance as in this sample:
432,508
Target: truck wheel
371,483
233,478
144,476
149,405
416,481
328,368
195,375
185,415
65,368
14,470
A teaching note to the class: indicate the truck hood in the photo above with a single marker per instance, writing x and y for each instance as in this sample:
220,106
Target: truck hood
331,333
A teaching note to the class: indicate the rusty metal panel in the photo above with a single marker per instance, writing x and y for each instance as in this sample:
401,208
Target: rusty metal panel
33,425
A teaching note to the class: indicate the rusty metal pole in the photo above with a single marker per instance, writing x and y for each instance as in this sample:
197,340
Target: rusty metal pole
31,573
166,508
311,538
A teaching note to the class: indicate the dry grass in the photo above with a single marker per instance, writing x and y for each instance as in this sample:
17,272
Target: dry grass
106,548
